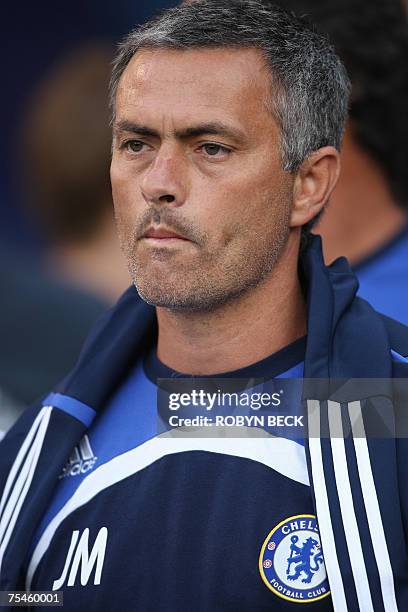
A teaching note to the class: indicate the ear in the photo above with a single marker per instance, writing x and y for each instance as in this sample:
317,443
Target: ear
314,183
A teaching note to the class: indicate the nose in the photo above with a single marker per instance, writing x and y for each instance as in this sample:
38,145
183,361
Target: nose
165,179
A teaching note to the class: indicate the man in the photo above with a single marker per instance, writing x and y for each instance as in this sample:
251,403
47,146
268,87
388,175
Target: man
367,217
70,194
227,125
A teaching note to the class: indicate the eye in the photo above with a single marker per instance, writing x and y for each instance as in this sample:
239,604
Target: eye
213,149
134,146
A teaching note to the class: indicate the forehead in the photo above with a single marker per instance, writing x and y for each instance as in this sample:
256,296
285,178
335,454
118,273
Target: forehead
196,84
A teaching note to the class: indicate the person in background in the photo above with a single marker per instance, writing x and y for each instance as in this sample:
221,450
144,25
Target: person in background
65,165
43,323
366,219
47,311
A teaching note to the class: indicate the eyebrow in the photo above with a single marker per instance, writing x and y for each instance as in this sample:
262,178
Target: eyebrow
214,128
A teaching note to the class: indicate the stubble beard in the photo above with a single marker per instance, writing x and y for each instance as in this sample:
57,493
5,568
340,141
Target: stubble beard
209,284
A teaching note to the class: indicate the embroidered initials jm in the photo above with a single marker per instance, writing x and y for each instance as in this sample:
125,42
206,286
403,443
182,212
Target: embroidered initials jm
82,560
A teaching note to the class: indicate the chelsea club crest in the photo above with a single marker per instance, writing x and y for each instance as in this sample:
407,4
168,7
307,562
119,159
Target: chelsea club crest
291,560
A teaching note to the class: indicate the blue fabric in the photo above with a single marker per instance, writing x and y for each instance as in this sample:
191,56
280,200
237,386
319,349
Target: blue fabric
71,406
164,507
383,278
398,357
129,420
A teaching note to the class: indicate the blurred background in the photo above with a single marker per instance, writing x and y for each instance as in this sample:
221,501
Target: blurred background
60,264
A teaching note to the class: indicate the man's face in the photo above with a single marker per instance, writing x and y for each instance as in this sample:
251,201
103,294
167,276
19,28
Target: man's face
196,153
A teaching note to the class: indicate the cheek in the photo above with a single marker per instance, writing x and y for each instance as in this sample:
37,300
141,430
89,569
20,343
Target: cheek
225,209
260,210
124,191
118,183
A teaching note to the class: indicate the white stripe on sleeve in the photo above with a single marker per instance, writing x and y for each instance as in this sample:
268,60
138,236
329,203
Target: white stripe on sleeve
372,508
323,510
347,508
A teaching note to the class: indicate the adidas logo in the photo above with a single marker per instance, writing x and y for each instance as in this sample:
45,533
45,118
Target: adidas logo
81,459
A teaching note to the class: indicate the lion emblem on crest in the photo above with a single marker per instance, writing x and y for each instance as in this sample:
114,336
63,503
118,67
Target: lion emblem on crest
302,557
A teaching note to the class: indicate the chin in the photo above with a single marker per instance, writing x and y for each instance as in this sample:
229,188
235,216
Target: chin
162,295
184,300
170,299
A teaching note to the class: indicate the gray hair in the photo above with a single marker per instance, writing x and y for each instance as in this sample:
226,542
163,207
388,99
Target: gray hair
310,84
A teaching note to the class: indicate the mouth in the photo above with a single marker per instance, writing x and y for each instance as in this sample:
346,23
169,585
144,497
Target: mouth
162,235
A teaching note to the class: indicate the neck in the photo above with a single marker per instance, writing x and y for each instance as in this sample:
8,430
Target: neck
240,333
362,215
96,265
